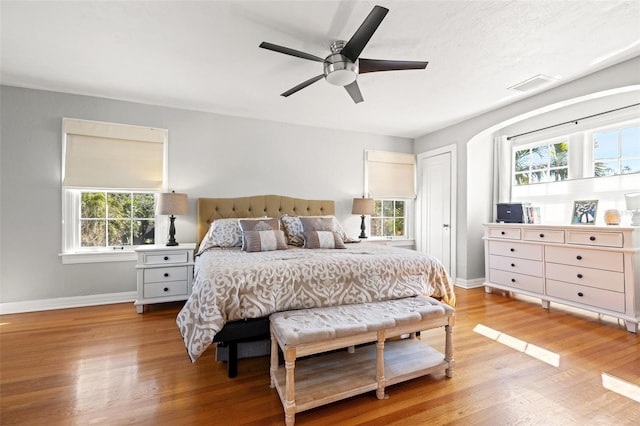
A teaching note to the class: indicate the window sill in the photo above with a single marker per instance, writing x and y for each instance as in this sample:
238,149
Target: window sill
406,243
97,257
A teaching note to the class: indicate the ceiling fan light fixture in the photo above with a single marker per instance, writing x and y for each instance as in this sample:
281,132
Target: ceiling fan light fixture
339,70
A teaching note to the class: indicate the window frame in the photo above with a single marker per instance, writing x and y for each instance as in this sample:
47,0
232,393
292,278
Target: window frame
548,168
590,147
409,217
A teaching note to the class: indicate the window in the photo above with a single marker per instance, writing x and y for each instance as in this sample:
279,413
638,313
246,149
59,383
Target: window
116,219
389,219
616,151
546,162
111,175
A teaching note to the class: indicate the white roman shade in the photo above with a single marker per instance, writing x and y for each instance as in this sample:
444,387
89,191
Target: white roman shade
108,155
391,174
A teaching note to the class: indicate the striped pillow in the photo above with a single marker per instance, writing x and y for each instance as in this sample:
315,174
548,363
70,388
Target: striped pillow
323,239
264,241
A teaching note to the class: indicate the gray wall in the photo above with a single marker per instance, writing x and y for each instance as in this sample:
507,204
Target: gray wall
210,155
479,130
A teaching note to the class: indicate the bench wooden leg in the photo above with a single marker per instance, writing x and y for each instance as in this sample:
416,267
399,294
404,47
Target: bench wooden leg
448,350
290,387
274,360
382,382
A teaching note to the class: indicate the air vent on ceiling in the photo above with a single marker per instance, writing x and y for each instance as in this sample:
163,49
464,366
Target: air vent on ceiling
533,83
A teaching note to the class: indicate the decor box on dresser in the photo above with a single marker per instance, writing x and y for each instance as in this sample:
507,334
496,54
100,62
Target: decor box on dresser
593,268
164,274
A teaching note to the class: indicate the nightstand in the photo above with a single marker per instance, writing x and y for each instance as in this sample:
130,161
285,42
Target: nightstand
165,274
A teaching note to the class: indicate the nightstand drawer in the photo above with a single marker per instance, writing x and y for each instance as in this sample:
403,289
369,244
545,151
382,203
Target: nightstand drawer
605,299
510,234
166,257
609,260
606,280
154,275
609,239
520,266
517,281
522,251
171,288
544,235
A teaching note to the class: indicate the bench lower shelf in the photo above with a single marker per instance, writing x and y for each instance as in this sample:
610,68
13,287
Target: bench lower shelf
326,378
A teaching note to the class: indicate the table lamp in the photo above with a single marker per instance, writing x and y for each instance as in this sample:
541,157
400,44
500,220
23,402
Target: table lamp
633,205
172,203
363,206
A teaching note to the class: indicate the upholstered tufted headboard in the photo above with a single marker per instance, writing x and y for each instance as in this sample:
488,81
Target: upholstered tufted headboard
210,209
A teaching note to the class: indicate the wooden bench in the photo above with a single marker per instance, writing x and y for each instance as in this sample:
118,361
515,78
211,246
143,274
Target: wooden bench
322,379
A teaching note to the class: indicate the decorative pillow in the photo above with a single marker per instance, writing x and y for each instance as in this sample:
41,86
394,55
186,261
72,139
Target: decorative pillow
222,233
293,228
264,240
323,239
261,224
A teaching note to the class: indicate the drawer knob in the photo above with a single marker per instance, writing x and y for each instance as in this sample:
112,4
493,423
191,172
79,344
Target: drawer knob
513,280
541,235
579,275
579,257
166,289
166,274
502,232
166,258
592,238
513,265
580,294
512,249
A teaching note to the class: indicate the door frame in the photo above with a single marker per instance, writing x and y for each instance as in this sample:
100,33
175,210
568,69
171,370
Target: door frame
420,222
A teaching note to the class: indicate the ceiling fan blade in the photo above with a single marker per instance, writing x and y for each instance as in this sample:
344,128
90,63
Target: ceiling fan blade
289,51
361,37
354,91
375,65
302,85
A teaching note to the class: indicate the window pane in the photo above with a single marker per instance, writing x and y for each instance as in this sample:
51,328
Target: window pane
387,208
93,233
540,157
400,208
630,140
93,205
630,166
388,227
377,210
522,178
539,176
559,153
119,205
559,174
119,232
143,206
143,232
376,227
606,145
606,168
399,229
523,157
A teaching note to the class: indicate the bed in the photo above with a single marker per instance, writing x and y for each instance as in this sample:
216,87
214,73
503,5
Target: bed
234,291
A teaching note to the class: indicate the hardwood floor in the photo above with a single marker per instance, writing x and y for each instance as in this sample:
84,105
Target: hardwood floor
109,365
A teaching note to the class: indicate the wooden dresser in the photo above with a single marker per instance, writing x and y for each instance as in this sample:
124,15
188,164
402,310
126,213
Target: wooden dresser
593,268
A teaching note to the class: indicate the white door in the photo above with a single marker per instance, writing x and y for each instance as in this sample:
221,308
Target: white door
436,196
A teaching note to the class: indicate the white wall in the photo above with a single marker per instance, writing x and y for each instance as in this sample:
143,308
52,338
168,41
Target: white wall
210,155
477,129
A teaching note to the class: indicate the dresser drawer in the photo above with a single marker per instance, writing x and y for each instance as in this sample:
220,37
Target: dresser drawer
154,275
608,239
508,233
577,256
166,257
606,280
517,281
519,266
519,250
170,288
605,299
543,235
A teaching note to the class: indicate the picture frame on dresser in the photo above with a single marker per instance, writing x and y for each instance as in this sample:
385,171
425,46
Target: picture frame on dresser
584,212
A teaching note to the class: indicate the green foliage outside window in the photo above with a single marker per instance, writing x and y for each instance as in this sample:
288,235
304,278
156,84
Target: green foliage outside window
388,219
116,219
543,163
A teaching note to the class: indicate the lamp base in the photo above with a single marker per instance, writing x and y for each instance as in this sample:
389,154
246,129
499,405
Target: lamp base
172,232
635,219
362,228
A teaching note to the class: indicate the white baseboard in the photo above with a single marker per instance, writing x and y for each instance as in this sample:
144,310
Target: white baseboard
467,284
66,302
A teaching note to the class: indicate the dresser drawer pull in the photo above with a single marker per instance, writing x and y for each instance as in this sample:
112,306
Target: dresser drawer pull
166,258
166,274
512,249
166,289
592,238
502,233
513,265
579,275
541,235
513,280
580,294
579,257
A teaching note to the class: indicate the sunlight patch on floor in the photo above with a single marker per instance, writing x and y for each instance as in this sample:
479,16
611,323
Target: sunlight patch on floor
534,351
621,387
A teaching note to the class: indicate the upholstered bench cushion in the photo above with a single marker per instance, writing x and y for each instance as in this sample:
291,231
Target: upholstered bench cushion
319,324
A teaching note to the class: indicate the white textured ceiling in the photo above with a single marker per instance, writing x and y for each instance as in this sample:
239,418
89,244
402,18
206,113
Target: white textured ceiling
204,55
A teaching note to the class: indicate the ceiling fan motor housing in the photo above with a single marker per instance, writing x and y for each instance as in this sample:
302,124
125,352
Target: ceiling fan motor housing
338,69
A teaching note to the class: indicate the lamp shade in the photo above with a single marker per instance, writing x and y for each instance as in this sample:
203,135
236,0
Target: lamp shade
172,203
633,201
363,206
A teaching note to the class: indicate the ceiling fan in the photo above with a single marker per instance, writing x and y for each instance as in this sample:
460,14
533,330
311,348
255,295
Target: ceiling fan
343,65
